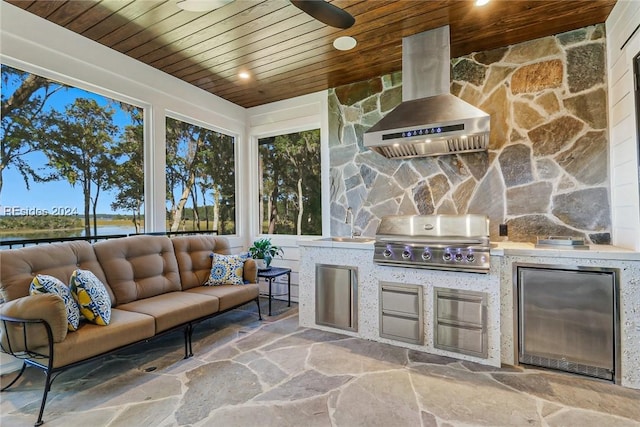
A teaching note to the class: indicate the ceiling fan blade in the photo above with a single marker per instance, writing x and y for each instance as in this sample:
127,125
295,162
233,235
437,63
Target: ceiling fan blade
325,12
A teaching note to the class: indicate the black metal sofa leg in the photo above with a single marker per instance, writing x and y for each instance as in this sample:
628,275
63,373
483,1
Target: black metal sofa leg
258,304
188,350
47,387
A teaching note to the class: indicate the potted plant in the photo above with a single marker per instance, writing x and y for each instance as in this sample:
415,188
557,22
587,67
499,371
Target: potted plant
263,251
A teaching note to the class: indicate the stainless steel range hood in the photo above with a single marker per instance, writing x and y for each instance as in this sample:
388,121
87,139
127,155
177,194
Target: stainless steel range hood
430,121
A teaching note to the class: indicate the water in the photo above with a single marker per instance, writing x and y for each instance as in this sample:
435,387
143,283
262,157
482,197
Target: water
50,234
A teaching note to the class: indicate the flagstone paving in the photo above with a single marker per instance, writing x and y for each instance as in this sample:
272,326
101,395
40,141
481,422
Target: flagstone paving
274,373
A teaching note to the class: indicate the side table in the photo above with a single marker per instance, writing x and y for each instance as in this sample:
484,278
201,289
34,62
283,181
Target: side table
270,275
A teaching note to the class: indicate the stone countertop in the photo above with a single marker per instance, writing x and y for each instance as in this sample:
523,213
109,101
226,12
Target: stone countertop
326,242
608,252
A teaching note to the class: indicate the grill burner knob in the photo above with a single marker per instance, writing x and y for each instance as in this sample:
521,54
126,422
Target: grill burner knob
406,254
447,256
458,257
426,256
386,253
471,258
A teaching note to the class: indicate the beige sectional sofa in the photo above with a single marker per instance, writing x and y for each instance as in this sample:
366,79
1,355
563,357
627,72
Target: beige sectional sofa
155,285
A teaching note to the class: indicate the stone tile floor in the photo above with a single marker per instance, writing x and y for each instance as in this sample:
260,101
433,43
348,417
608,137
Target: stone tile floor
273,373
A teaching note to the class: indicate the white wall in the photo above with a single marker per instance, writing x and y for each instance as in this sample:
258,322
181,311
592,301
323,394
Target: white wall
39,46
282,117
623,134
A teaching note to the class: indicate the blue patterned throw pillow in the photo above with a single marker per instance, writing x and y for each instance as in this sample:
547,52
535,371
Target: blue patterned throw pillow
226,269
45,284
92,297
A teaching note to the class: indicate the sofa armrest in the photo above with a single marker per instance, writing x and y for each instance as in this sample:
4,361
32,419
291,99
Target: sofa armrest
24,322
250,272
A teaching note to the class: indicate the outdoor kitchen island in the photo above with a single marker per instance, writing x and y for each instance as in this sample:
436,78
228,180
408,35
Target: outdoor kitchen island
359,256
497,284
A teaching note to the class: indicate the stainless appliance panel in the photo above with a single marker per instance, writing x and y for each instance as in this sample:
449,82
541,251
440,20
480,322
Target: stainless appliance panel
336,296
567,315
567,318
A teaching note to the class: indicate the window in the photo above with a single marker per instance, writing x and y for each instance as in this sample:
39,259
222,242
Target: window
201,180
290,186
71,161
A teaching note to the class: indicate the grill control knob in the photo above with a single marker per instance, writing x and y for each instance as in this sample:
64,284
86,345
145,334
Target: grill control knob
426,256
458,257
386,253
406,254
447,256
471,258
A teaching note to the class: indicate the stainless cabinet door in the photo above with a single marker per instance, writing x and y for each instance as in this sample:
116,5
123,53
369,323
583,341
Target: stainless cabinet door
335,297
567,315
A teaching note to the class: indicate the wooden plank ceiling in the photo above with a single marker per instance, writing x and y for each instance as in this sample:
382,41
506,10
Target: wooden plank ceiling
286,52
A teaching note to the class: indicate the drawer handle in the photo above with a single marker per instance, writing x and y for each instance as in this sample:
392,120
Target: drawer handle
471,327
401,316
399,291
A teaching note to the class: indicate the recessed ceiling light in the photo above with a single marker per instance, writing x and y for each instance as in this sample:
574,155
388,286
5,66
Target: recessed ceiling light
344,43
201,5
244,75
481,2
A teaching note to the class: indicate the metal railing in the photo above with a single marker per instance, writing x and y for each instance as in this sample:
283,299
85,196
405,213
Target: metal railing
10,244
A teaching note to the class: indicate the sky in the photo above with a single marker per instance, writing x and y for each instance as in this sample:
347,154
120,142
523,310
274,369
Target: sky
56,196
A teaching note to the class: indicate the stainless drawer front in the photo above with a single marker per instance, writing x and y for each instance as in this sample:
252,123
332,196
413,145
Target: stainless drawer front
467,311
400,301
401,328
461,340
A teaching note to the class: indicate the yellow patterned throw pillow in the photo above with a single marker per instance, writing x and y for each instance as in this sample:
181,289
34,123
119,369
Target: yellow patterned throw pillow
226,269
92,297
45,284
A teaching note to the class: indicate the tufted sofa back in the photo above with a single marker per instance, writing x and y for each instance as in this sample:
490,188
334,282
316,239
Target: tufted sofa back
138,267
193,256
19,266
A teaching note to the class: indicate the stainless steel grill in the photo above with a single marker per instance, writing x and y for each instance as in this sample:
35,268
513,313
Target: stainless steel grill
442,242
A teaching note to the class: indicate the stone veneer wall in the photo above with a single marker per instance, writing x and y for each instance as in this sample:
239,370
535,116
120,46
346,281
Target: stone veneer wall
546,171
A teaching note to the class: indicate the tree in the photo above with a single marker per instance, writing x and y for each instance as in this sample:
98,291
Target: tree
185,142
200,160
22,114
291,188
77,147
128,176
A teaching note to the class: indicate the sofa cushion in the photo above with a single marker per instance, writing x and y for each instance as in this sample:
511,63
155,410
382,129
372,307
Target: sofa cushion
194,262
92,297
226,269
91,340
45,284
229,295
138,267
174,308
48,307
20,266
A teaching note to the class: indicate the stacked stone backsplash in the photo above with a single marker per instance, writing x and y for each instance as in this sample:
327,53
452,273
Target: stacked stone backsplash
546,171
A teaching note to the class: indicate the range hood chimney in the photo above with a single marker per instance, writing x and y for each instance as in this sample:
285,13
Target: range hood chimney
430,121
